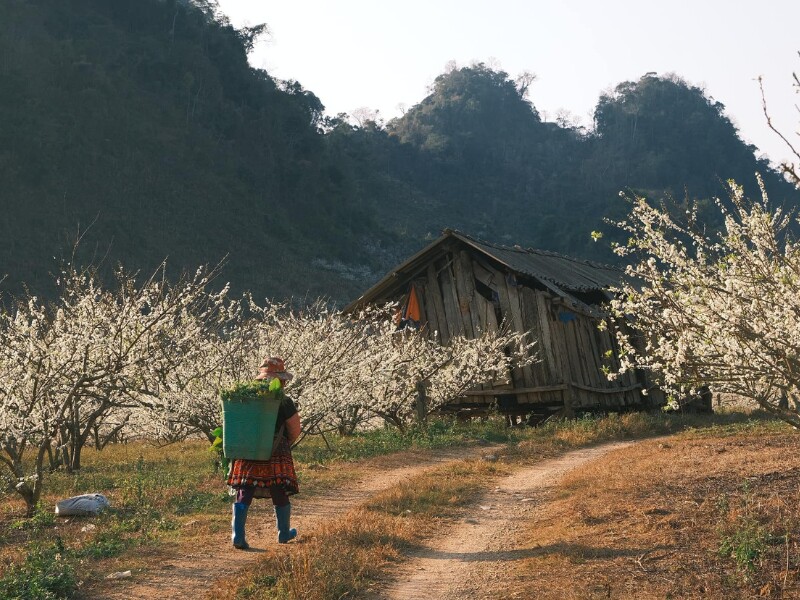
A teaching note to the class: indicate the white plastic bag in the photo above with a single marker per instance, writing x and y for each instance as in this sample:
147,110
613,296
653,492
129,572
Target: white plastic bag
83,505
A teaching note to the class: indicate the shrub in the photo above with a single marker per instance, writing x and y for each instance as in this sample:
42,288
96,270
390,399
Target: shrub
43,517
742,537
46,574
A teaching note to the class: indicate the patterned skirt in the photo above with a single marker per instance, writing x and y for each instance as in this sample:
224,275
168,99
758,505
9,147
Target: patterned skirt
278,470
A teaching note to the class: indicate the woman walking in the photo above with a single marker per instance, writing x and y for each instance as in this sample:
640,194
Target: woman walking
274,478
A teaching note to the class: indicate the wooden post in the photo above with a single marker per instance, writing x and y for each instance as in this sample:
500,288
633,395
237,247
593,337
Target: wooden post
569,412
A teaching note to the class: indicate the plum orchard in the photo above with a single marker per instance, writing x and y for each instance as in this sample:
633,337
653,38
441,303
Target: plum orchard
80,367
721,310
147,359
349,369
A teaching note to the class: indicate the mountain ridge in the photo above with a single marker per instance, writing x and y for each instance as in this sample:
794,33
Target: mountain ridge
144,119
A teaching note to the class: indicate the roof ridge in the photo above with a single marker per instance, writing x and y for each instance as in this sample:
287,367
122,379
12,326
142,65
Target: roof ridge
518,248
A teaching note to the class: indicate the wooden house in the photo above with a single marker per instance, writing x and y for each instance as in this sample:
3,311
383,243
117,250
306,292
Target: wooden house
459,285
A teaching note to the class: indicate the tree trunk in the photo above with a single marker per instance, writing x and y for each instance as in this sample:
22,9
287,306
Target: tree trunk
393,419
30,488
786,414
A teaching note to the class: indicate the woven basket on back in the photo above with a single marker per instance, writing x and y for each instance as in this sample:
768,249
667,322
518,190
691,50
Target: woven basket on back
249,412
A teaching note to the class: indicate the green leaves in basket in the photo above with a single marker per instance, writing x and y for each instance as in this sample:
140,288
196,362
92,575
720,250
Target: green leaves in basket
242,391
216,446
275,385
217,443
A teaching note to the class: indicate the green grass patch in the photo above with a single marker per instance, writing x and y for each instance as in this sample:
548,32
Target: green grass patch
438,433
137,467
107,544
43,518
46,574
728,424
743,537
193,501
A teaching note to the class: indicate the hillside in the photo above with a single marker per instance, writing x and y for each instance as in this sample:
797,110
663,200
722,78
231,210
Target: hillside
493,167
139,126
141,122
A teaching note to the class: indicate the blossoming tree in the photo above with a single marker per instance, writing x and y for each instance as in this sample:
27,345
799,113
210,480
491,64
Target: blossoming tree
325,349
65,367
401,365
719,310
148,359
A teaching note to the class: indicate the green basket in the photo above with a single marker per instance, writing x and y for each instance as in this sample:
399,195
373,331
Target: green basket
249,413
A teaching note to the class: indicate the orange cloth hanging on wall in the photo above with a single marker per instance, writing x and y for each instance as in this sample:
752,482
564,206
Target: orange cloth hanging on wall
410,315
412,308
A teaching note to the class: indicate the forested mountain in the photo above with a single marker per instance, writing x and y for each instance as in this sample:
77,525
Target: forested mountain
507,175
141,121
139,125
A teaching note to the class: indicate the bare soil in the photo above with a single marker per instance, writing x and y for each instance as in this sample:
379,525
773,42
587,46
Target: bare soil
472,558
622,520
174,571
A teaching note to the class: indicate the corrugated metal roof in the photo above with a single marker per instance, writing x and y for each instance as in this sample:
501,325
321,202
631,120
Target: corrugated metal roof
561,274
569,274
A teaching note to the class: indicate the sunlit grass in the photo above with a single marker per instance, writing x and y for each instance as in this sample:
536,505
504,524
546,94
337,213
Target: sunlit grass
347,555
711,509
438,433
439,492
155,490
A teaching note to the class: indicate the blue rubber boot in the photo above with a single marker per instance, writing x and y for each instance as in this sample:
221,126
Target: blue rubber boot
237,524
283,515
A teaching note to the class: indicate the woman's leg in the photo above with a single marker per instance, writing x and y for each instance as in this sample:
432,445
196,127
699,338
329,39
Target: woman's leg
278,495
283,513
244,494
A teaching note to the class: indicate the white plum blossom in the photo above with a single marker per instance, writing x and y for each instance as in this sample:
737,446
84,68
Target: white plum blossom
87,361
148,360
719,310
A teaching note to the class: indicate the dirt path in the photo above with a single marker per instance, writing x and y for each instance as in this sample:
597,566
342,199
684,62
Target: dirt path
191,574
476,552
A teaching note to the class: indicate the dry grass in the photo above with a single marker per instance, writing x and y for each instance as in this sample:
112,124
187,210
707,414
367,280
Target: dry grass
336,560
168,499
439,493
162,498
711,513
558,437
348,556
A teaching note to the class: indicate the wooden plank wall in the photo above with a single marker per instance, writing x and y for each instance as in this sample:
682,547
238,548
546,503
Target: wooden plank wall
550,368
571,349
433,297
585,350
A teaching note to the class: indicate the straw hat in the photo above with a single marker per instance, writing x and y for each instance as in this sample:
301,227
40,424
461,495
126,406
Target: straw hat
273,367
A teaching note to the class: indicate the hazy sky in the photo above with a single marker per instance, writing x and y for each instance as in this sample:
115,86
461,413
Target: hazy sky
380,55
